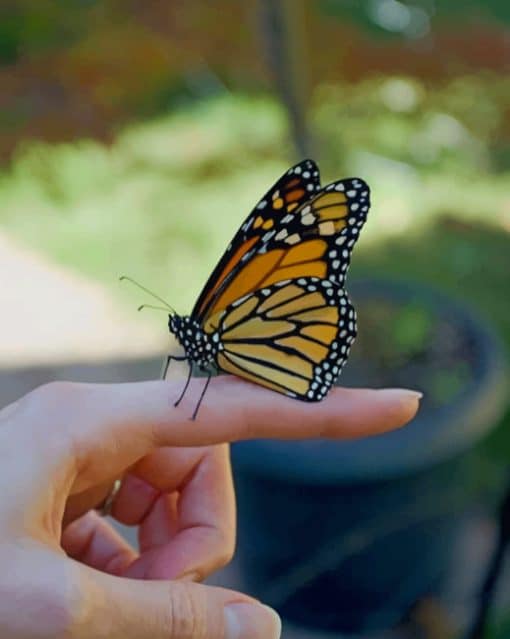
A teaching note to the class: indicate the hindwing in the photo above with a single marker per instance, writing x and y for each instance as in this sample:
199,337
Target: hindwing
293,337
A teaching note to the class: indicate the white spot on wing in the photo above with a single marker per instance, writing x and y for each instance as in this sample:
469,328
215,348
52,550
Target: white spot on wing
293,239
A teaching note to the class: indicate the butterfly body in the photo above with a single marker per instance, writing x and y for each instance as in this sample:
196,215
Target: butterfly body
200,348
274,310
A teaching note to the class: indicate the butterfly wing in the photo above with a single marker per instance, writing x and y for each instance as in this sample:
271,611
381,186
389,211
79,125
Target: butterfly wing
315,240
292,190
279,310
292,337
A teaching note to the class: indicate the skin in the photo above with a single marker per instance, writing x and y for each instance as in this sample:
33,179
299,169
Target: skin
67,574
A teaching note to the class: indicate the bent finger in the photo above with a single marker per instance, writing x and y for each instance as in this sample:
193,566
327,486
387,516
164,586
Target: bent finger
200,537
92,541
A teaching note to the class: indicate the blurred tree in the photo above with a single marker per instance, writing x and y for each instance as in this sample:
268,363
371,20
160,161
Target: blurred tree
286,45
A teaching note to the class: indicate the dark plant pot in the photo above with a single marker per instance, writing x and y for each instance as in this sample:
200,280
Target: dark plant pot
345,537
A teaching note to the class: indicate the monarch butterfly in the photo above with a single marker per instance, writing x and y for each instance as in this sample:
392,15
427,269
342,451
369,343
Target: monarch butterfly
274,310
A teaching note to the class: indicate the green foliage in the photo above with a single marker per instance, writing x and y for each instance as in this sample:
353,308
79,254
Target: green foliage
469,261
28,27
157,205
499,630
401,342
451,128
412,18
411,329
160,202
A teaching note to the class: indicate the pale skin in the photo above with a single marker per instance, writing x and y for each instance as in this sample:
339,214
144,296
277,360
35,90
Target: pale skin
65,572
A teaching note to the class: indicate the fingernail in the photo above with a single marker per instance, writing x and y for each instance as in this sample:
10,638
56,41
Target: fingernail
402,393
251,621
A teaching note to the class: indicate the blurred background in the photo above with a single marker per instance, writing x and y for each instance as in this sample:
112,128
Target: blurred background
136,136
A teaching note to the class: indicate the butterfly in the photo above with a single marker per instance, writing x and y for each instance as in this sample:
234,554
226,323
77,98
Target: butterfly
274,310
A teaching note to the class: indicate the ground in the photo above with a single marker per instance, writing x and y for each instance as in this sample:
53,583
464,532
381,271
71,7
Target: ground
53,314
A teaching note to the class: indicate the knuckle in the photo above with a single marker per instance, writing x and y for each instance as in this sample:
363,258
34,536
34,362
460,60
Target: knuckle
186,614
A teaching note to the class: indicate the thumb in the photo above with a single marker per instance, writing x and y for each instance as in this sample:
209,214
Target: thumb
120,608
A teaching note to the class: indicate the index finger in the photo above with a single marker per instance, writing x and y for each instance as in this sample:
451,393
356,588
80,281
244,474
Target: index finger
234,409
114,425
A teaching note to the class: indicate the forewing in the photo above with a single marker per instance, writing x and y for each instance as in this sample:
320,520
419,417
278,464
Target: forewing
291,191
314,240
292,337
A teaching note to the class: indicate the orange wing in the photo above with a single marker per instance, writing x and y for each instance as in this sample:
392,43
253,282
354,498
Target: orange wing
292,337
293,189
314,241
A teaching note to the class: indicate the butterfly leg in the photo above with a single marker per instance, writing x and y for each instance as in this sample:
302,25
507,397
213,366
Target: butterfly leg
167,364
185,386
195,412
166,367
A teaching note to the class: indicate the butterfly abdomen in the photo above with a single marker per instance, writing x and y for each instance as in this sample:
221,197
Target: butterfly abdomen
201,348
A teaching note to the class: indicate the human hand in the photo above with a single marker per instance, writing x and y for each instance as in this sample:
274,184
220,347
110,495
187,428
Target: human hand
67,573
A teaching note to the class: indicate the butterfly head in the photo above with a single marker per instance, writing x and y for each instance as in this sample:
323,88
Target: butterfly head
199,347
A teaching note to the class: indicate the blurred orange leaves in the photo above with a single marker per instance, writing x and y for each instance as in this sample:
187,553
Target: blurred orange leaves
118,60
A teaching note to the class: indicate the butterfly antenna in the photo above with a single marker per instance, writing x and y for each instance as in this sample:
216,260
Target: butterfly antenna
143,288
155,308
